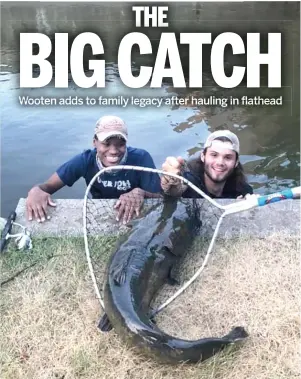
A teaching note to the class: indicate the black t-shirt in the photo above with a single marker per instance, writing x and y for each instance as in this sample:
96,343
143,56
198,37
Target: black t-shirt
230,191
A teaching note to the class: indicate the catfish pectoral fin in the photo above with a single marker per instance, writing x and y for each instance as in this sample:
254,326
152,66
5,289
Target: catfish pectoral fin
105,324
119,277
171,280
119,273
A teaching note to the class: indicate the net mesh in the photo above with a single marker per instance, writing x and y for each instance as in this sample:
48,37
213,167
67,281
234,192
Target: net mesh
104,233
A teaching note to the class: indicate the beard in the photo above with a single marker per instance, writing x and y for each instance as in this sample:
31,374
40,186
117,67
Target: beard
218,179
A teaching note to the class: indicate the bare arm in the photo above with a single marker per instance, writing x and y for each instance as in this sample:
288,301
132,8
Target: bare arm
52,185
39,198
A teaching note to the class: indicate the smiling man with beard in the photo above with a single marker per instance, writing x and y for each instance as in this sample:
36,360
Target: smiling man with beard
217,171
110,149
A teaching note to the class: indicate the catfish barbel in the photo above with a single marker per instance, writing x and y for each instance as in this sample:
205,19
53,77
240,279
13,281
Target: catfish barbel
139,268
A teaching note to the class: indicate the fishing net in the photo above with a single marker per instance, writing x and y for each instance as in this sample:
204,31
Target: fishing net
108,222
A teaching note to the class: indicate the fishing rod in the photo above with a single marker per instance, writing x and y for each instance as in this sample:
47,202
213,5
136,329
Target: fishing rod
23,239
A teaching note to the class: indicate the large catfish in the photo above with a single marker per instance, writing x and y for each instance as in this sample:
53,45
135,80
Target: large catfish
139,268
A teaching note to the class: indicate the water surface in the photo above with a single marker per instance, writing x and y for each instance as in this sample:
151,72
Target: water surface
36,140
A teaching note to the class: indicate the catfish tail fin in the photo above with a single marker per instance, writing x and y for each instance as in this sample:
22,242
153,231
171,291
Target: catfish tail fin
236,334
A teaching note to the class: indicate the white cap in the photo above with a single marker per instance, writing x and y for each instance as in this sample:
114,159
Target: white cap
223,133
109,126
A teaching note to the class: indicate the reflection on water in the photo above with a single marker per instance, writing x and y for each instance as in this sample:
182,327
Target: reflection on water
36,140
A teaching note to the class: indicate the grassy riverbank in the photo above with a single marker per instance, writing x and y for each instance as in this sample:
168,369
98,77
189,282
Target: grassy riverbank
50,313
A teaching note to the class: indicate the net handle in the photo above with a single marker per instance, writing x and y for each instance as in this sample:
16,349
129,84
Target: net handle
260,201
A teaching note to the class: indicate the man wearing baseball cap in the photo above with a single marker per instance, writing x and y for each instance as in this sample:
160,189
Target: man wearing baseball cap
110,149
217,171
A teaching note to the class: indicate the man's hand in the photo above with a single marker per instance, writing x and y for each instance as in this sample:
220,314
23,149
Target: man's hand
128,204
174,166
37,203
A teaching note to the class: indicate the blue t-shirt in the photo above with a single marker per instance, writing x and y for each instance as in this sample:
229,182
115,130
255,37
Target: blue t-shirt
108,185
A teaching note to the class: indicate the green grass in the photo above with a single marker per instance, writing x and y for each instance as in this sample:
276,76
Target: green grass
49,314
46,249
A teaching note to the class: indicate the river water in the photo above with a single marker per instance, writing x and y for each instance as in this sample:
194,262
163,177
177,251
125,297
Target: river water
35,140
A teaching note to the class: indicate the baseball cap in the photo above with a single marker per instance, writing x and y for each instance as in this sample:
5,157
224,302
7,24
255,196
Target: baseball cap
109,126
223,133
